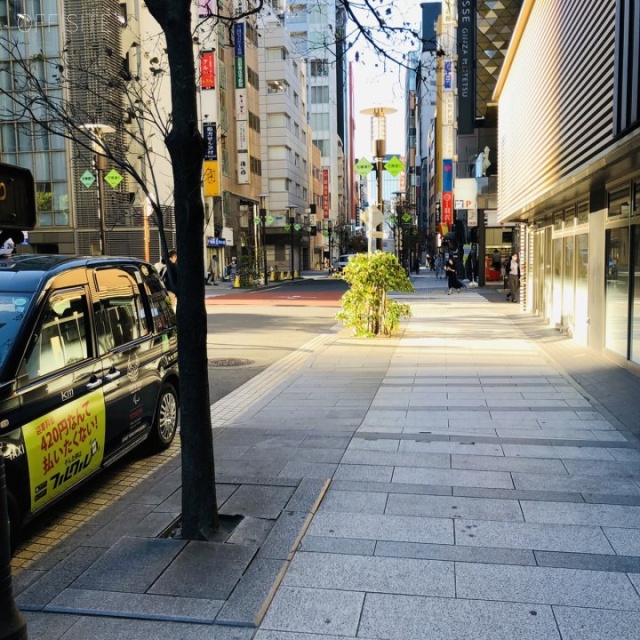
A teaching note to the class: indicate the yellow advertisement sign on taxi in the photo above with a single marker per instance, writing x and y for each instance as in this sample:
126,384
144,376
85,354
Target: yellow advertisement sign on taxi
64,446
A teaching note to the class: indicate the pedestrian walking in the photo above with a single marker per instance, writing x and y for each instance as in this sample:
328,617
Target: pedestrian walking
438,265
452,277
513,278
213,270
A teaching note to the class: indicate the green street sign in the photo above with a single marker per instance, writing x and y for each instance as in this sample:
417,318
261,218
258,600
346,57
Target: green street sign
287,227
297,226
363,167
87,178
113,178
270,219
406,218
256,220
394,166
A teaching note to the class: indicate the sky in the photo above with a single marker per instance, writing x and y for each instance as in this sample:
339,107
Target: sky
381,83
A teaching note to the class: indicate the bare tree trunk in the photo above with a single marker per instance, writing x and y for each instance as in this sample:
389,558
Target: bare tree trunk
186,148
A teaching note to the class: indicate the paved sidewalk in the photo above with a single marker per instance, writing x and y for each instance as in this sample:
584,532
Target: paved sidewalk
452,482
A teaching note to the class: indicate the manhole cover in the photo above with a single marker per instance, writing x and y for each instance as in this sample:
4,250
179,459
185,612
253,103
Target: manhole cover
229,362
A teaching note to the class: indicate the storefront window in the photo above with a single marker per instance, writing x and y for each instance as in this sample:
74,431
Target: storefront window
556,305
619,202
568,291
582,298
635,310
617,290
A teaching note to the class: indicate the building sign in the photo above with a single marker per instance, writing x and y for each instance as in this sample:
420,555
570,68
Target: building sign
238,36
243,167
447,142
216,242
208,70
210,140
240,73
466,64
447,174
448,101
211,180
242,135
447,207
448,64
325,193
472,217
241,104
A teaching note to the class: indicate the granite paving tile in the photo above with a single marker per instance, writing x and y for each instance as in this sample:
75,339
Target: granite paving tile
626,542
394,617
47,626
407,576
265,634
382,527
587,561
145,560
497,463
302,469
602,468
378,444
294,454
364,473
353,502
320,611
517,494
284,536
476,449
598,515
525,535
581,484
259,502
134,605
306,495
596,624
453,507
568,453
453,477
349,546
544,585
399,458
455,553
206,570
251,531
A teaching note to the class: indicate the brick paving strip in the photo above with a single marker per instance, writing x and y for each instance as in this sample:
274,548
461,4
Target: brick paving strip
476,491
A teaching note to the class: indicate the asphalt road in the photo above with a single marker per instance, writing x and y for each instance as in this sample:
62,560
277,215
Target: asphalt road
247,332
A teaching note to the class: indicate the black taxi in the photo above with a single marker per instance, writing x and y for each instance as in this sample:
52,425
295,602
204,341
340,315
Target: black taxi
88,371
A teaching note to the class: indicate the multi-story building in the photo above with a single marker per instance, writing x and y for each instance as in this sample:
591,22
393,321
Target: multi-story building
313,25
569,135
103,53
284,145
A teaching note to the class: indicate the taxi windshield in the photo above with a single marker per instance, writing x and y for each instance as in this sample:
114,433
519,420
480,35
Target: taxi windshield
13,307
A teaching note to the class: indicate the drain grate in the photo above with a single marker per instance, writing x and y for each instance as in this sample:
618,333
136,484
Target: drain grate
229,362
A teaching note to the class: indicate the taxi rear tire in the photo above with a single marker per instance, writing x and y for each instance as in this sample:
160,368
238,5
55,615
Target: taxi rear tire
165,424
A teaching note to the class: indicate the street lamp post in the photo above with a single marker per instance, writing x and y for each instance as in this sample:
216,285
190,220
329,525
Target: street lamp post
379,141
100,130
263,227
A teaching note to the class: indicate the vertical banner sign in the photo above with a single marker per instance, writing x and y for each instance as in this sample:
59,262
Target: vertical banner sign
466,64
210,139
241,115
211,182
447,174
447,208
238,39
448,65
325,193
208,70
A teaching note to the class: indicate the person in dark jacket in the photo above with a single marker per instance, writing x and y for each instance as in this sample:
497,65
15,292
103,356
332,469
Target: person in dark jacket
452,277
513,278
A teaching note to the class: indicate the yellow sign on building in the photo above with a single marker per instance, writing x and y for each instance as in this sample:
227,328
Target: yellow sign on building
211,181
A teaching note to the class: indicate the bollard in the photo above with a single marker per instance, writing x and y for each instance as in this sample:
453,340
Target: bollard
272,278
281,275
12,625
295,275
236,282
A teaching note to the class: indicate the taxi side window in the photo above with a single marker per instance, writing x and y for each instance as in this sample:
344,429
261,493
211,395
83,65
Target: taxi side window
61,338
164,317
119,313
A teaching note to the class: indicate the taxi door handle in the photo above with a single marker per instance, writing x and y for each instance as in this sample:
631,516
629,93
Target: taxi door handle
112,375
95,384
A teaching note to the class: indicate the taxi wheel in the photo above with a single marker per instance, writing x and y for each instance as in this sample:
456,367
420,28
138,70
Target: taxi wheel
166,421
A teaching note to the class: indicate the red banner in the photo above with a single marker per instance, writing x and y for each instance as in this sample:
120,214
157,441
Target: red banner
208,70
447,207
325,193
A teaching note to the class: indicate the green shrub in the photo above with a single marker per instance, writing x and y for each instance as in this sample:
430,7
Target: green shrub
366,306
